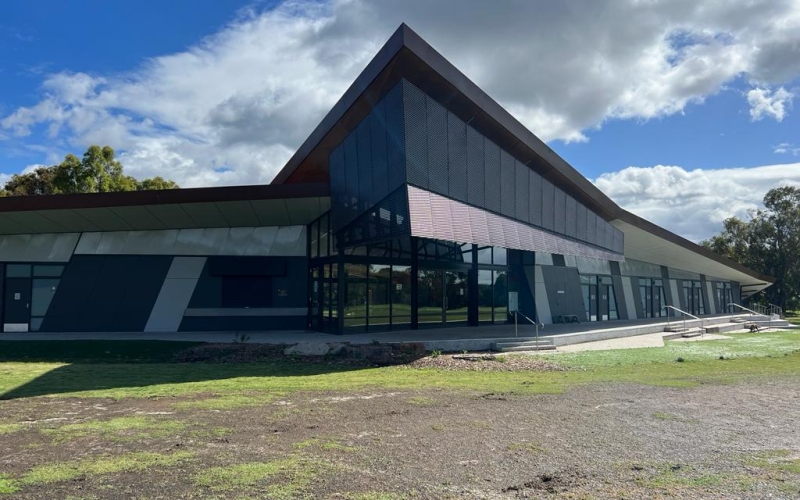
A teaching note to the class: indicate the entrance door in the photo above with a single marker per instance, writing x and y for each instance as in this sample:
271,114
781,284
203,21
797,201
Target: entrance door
443,297
456,297
17,304
656,301
602,303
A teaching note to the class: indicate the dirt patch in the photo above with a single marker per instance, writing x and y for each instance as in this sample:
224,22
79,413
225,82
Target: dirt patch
486,362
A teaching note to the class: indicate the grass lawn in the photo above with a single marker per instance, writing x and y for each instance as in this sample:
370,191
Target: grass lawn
123,415
106,369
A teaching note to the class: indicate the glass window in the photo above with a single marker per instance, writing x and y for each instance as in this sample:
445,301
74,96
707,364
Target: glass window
401,296
47,271
314,242
355,302
485,255
500,293
585,290
18,270
466,252
429,296
485,297
379,298
323,236
612,304
500,256
42,294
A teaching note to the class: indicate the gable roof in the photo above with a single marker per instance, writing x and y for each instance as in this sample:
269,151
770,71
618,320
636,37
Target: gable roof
407,56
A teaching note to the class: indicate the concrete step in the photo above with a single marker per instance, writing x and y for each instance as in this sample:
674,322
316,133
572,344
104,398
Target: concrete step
694,332
675,329
775,323
725,327
530,345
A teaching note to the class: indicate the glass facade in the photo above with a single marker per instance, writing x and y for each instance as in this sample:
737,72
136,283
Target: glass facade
599,298
652,298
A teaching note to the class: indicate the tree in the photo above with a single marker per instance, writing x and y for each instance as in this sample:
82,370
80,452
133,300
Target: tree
768,243
97,172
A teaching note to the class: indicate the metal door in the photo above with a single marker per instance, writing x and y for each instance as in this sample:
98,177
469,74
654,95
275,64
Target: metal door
17,303
602,303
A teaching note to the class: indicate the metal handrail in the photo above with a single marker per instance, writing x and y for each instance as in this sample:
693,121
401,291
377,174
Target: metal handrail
764,313
537,325
774,309
702,321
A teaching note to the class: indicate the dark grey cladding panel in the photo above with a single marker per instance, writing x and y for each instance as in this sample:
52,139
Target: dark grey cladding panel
364,163
492,176
560,211
571,217
475,168
619,241
395,137
609,243
535,199
637,296
619,295
438,176
522,208
600,237
548,205
564,292
580,222
338,181
380,173
508,174
241,323
106,293
591,227
416,126
457,157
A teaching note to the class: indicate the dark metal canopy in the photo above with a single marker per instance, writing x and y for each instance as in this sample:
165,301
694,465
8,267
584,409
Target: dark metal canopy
236,206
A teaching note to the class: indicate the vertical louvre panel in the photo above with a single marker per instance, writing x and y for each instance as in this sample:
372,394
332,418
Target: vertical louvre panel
580,222
619,241
416,129
492,179
364,164
351,173
535,199
522,208
560,211
571,216
591,227
395,137
380,175
609,244
475,168
548,195
457,157
507,189
437,147
600,238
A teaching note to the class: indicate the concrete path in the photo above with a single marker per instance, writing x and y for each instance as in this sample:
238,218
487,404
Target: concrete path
637,342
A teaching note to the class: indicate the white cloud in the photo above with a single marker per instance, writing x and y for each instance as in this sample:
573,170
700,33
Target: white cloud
763,103
694,203
233,107
787,148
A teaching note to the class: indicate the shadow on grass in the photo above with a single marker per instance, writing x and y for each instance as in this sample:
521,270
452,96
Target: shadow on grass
126,365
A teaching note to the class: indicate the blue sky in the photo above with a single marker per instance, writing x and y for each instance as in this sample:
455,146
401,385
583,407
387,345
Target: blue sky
640,98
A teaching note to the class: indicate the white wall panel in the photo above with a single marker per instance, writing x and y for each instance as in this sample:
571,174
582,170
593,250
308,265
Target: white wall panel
257,241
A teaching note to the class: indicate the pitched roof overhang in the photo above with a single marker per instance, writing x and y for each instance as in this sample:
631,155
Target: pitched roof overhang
236,206
407,56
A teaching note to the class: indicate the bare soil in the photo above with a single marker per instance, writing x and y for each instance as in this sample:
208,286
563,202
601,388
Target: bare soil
598,441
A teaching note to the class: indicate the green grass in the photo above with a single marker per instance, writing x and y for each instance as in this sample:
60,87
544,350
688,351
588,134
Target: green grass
746,355
776,460
288,477
65,471
9,428
93,351
120,428
230,401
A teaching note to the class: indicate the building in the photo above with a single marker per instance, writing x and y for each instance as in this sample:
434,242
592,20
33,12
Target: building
418,202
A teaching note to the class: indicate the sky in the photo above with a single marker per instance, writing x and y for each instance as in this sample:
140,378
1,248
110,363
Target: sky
683,112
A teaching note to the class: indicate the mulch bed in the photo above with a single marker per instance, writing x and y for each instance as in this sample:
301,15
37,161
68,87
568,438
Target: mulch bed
486,363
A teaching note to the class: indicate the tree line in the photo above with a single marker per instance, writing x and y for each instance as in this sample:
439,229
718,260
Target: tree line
98,171
768,243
